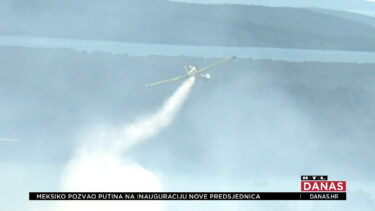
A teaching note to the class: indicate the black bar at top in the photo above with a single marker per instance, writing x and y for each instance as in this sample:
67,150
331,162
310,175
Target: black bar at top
188,195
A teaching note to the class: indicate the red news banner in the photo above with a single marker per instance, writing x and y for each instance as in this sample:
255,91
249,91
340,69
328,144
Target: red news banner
319,188
323,186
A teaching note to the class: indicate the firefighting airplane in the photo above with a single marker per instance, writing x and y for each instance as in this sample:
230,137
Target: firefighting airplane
193,71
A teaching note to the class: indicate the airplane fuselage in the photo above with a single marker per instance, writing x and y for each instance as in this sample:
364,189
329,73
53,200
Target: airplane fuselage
191,70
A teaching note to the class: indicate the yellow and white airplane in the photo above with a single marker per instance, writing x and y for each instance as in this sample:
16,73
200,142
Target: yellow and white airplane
192,71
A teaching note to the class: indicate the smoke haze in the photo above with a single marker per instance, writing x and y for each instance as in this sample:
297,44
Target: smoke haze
99,166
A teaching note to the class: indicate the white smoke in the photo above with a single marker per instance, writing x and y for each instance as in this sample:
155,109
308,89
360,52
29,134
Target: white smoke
99,166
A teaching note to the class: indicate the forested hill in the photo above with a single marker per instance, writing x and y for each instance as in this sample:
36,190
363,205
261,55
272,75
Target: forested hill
65,90
366,19
167,22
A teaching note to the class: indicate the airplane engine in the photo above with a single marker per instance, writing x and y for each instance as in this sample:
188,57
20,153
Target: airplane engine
206,76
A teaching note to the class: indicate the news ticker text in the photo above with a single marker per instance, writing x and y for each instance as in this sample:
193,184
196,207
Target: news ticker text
187,196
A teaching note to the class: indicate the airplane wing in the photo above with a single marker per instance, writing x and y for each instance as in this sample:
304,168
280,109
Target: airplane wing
186,76
215,64
167,81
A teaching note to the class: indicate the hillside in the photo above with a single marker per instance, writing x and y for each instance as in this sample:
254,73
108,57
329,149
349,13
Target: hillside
191,24
52,94
365,19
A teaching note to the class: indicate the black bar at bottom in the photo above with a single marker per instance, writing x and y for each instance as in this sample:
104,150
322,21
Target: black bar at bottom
187,196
